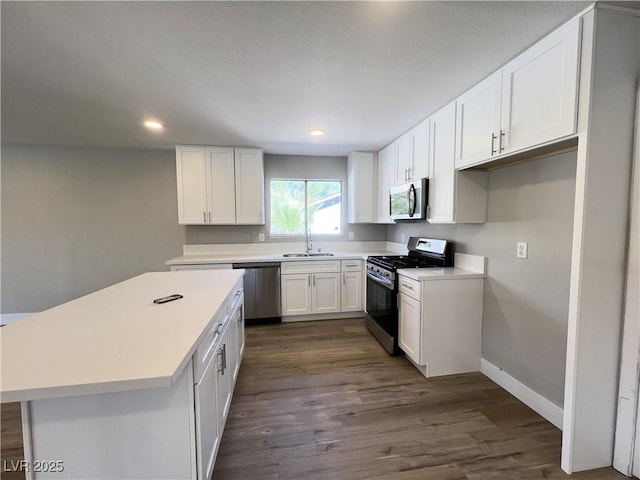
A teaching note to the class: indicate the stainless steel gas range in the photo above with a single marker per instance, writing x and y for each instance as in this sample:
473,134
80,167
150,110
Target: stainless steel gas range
382,285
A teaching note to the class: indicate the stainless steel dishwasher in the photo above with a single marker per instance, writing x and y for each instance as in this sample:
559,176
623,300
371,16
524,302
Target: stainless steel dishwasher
261,290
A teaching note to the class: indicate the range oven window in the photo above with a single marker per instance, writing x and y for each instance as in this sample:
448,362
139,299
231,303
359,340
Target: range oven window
382,306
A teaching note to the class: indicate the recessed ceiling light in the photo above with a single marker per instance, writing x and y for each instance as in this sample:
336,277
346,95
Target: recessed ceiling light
316,132
153,125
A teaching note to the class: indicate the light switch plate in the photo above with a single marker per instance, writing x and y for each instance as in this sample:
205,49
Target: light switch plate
351,236
522,250
261,237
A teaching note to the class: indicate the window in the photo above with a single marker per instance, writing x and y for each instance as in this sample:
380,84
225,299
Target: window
300,204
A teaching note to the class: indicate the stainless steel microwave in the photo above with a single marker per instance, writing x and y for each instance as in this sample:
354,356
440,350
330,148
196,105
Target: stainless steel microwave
409,201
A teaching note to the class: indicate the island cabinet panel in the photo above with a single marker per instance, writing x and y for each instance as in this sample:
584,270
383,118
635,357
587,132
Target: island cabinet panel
137,434
208,431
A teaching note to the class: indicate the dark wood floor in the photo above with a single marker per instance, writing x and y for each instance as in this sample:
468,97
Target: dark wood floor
322,400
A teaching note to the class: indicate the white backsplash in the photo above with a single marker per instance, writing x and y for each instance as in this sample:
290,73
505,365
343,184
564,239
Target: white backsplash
292,247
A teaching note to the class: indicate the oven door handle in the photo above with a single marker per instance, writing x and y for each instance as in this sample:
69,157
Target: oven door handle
379,279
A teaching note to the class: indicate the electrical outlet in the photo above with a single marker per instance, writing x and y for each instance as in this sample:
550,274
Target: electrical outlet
261,237
522,250
351,236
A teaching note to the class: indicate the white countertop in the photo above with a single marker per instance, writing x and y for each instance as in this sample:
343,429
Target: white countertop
423,274
201,259
112,340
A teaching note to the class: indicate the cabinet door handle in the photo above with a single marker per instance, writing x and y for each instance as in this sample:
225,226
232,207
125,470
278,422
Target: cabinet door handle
224,358
220,367
314,280
218,329
493,141
204,217
309,279
209,217
500,146
407,286
343,282
351,265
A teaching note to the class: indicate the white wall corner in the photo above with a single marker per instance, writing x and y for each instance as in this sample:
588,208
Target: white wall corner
544,407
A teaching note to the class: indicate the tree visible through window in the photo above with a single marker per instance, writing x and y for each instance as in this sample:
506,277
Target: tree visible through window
300,204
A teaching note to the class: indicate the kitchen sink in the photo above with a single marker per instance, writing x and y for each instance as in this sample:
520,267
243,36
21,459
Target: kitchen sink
318,254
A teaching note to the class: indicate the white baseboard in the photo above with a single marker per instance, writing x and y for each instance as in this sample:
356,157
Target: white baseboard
7,318
534,400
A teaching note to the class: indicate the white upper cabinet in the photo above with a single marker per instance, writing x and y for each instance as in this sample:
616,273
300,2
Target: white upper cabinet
404,158
478,121
530,101
420,135
386,179
454,197
412,154
442,181
249,182
219,185
191,173
361,191
540,90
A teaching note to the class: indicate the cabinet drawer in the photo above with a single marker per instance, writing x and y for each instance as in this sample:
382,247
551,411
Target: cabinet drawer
410,287
351,265
315,266
207,348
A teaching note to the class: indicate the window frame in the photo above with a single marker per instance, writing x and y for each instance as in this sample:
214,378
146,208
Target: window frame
285,236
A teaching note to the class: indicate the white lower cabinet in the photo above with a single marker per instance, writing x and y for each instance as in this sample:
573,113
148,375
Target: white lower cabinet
440,324
352,286
409,323
310,293
324,286
296,294
325,293
207,429
213,390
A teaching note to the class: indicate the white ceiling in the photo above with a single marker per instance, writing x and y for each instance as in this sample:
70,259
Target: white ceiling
250,73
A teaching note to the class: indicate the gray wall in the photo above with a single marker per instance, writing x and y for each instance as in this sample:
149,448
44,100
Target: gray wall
75,220
525,301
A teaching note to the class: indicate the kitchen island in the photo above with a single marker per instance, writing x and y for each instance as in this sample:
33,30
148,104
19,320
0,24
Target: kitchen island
113,385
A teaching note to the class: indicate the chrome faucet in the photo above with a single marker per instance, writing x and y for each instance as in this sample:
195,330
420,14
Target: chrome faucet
309,246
